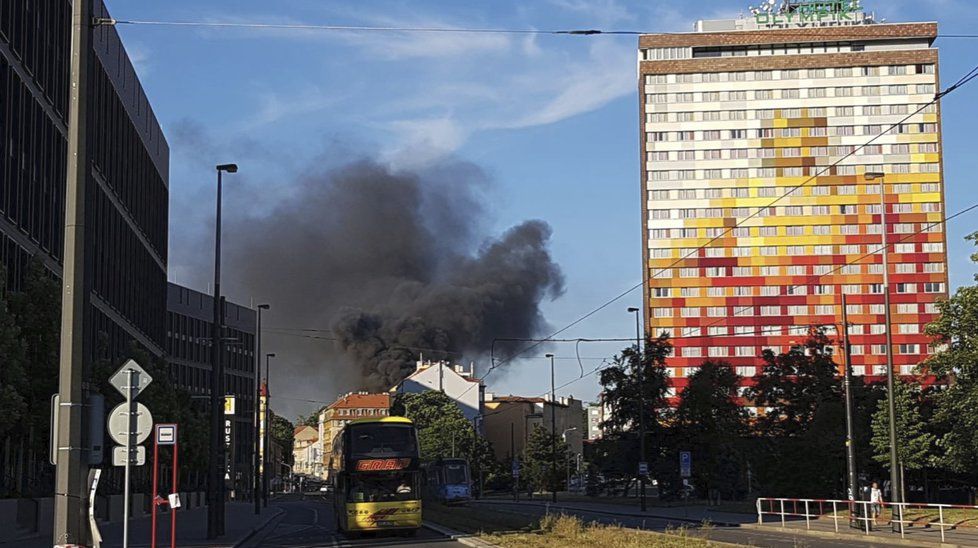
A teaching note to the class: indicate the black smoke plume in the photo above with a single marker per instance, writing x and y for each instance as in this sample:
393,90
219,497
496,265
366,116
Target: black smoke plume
393,264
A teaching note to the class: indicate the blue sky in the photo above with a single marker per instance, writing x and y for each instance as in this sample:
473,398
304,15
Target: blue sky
552,120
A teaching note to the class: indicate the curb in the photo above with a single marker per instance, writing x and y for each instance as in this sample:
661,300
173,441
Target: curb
461,538
854,537
258,528
610,513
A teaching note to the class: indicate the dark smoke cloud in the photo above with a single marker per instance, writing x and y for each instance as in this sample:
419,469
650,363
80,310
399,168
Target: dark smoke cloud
391,262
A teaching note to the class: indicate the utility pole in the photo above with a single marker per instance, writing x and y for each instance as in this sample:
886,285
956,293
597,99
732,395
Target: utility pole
850,435
256,472
641,406
553,426
896,494
70,493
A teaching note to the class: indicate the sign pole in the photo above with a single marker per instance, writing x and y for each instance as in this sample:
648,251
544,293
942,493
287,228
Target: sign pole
175,487
155,499
130,404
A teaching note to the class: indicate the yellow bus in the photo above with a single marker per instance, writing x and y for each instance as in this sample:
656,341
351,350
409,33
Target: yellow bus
377,476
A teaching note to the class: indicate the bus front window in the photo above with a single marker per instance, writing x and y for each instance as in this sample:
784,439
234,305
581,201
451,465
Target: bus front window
382,487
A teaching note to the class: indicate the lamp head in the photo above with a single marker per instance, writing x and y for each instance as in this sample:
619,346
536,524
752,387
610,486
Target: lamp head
548,355
873,175
270,355
632,309
264,306
229,168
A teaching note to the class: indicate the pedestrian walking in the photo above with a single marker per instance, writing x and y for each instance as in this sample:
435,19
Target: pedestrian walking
876,501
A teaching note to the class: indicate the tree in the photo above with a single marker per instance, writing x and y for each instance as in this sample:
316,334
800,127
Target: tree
795,385
915,445
800,438
13,377
711,423
442,429
283,433
538,467
956,331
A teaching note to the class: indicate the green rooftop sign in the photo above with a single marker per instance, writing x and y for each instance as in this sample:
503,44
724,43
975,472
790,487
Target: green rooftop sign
813,13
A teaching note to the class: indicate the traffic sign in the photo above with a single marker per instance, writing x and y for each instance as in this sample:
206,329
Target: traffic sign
120,379
685,464
119,424
166,434
643,468
229,404
516,468
119,456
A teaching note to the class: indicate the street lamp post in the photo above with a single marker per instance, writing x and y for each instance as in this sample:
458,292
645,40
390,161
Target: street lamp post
563,437
641,404
268,429
553,424
256,473
895,487
215,484
850,435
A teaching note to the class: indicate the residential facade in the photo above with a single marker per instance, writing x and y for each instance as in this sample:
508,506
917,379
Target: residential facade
306,451
127,191
757,138
455,381
348,408
509,421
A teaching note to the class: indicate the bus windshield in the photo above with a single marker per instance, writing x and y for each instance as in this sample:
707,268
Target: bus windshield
388,487
373,441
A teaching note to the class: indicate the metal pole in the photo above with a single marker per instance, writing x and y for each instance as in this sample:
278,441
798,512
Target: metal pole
850,435
130,428
268,429
641,406
553,426
256,472
512,460
175,487
70,491
215,484
895,493
156,475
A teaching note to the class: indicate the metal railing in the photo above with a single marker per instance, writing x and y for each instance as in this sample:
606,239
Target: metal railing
854,511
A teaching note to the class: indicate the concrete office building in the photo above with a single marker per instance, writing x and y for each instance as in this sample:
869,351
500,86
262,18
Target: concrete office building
742,113
189,317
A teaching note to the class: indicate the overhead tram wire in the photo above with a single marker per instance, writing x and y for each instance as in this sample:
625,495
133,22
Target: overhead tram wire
822,31
967,78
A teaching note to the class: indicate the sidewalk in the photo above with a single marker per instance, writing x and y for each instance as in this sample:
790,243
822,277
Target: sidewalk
191,528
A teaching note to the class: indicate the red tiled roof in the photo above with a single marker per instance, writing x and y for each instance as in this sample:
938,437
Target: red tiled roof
365,401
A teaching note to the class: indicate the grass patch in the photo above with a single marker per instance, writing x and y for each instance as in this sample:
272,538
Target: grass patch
514,530
563,531
741,507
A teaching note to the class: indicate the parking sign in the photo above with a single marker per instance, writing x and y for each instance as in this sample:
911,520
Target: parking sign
685,464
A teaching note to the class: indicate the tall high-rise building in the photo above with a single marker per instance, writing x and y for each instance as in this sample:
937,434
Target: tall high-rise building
757,135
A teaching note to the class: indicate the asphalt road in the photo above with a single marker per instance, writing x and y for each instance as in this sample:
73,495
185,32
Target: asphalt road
309,522
735,535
